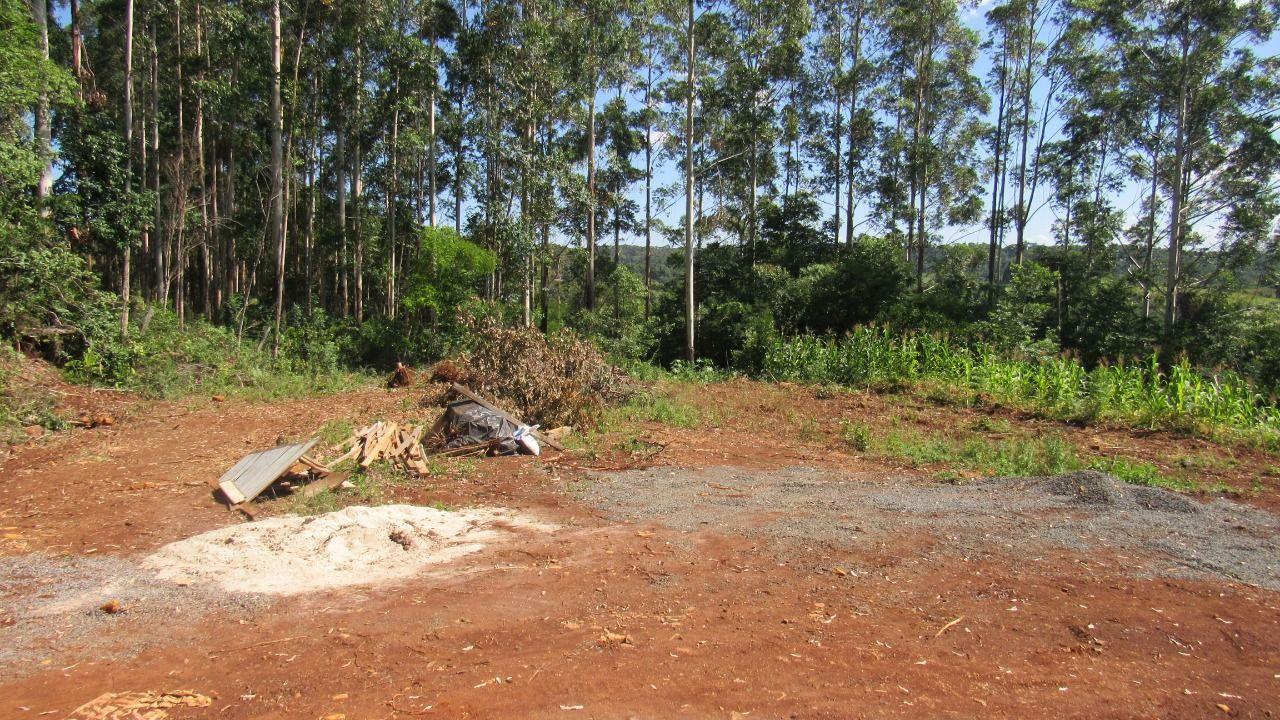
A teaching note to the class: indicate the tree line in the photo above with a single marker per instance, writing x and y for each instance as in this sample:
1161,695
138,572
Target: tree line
226,158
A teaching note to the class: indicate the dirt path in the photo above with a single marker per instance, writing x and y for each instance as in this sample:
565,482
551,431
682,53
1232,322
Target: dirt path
628,610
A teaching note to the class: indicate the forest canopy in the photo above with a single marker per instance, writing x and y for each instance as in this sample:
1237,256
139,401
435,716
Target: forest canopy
349,181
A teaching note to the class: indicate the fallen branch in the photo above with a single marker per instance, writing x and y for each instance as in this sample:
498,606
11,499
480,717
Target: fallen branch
948,626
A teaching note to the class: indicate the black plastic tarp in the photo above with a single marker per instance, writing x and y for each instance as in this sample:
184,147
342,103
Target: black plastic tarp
468,423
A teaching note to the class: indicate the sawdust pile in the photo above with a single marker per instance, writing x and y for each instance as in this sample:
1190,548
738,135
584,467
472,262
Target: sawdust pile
353,546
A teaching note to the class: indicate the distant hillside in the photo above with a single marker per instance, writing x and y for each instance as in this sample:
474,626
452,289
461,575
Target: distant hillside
633,257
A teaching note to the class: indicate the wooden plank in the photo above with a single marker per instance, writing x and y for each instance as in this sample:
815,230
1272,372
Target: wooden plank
490,406
264,469
328,482
315,465
381,445
231,492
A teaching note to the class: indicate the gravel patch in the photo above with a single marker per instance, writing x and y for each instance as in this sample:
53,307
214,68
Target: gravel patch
1086,512
52,609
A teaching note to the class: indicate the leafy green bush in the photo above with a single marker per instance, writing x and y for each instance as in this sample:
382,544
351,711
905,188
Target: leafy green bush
169,361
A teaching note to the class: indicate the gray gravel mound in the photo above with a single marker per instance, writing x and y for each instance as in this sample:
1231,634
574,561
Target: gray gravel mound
1163,500
1087,487
1161,532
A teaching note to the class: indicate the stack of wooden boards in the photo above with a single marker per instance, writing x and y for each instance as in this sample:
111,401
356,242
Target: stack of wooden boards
400,444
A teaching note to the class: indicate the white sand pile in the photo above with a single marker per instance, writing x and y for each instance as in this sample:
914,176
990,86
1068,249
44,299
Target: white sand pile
356,545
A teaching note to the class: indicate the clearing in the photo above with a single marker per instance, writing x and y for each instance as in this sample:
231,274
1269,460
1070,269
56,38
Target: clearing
732,550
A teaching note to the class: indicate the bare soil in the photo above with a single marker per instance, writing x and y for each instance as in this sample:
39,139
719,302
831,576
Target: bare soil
751,567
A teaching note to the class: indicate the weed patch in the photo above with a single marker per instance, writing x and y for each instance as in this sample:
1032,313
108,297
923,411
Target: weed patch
1012,457
652,407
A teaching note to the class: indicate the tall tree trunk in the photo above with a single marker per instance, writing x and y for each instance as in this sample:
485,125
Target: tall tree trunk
837,132
206,271
277,169
159,242
648,181
77,49
1024,212
690,310
997,154
357,196
431,130
392,199
855,43
340,169
125,252
179,258
42,125
1176,219
1152,203
589,289
313,153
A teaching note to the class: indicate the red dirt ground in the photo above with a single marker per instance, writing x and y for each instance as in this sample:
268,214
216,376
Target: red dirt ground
716,625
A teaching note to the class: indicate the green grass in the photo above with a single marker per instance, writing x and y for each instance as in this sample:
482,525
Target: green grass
652,407
1142,473
374,485
856,435
170,360
335,431
1015,456
1217,405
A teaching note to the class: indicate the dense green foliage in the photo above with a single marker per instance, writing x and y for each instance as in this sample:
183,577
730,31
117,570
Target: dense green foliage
1142,394
300,190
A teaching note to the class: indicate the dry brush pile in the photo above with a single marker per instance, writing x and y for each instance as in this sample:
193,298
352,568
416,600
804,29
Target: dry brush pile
550,380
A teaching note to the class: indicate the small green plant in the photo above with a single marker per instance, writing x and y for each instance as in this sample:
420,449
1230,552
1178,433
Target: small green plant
334,432
322,502
856,435
810,430
633,445
702,371
652,407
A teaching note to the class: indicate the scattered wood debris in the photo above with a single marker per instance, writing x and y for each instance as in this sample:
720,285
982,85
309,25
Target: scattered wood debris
92,420
137,705
407,446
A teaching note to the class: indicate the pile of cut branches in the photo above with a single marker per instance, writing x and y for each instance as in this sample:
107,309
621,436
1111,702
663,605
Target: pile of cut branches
551,380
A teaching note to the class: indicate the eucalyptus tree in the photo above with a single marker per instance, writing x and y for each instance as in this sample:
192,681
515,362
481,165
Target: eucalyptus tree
941,99
654,20
767,49
609,46
1000,46
1023,26
1194,62
690,88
